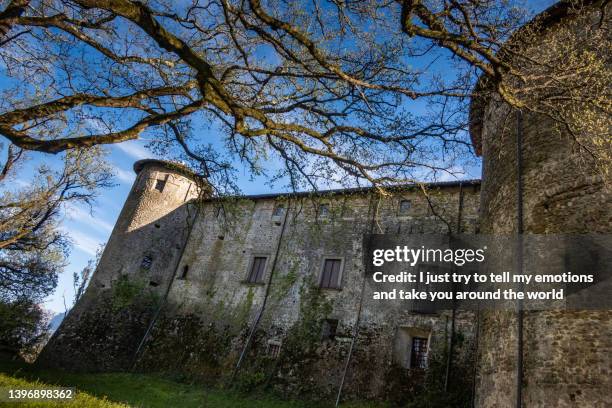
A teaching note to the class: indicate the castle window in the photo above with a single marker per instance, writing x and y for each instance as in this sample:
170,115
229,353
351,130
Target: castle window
278,210
256,272
329,329
418,354
274,348
410,347
404,207
184,272
324,210
220,212
146,262
331,273
160,184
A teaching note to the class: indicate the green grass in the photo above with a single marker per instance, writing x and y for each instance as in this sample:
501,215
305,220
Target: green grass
81,399
117,390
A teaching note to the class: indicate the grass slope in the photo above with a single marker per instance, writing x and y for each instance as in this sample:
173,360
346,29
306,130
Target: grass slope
119,390
81,400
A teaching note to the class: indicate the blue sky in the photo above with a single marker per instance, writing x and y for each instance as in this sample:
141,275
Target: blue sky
90,229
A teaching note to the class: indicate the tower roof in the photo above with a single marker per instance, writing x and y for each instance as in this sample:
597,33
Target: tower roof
170,165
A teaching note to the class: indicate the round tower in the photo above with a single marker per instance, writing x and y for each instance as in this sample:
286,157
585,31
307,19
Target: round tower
102,332
566,354
152,227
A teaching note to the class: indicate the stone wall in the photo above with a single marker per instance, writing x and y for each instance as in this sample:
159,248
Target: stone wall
211,309
171,293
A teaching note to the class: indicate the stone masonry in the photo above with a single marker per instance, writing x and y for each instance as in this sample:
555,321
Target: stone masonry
566,354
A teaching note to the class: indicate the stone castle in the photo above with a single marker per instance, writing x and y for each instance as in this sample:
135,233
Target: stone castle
268,290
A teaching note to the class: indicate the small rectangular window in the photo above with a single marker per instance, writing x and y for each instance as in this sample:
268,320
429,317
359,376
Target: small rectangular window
146,262
220,213
330,276
160,184
274,348
329,329
418,354
404,207
258,267
324,210
184,272
278,211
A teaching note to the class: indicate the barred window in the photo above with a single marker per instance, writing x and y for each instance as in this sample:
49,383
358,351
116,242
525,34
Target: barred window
258,267
274,348
418,355
330,275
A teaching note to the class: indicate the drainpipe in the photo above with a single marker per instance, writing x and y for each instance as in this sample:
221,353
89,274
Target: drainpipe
519,216
373,207
265,299
167,291
475,369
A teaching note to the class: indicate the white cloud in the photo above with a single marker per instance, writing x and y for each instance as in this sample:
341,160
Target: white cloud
80,215
84,242
134,149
